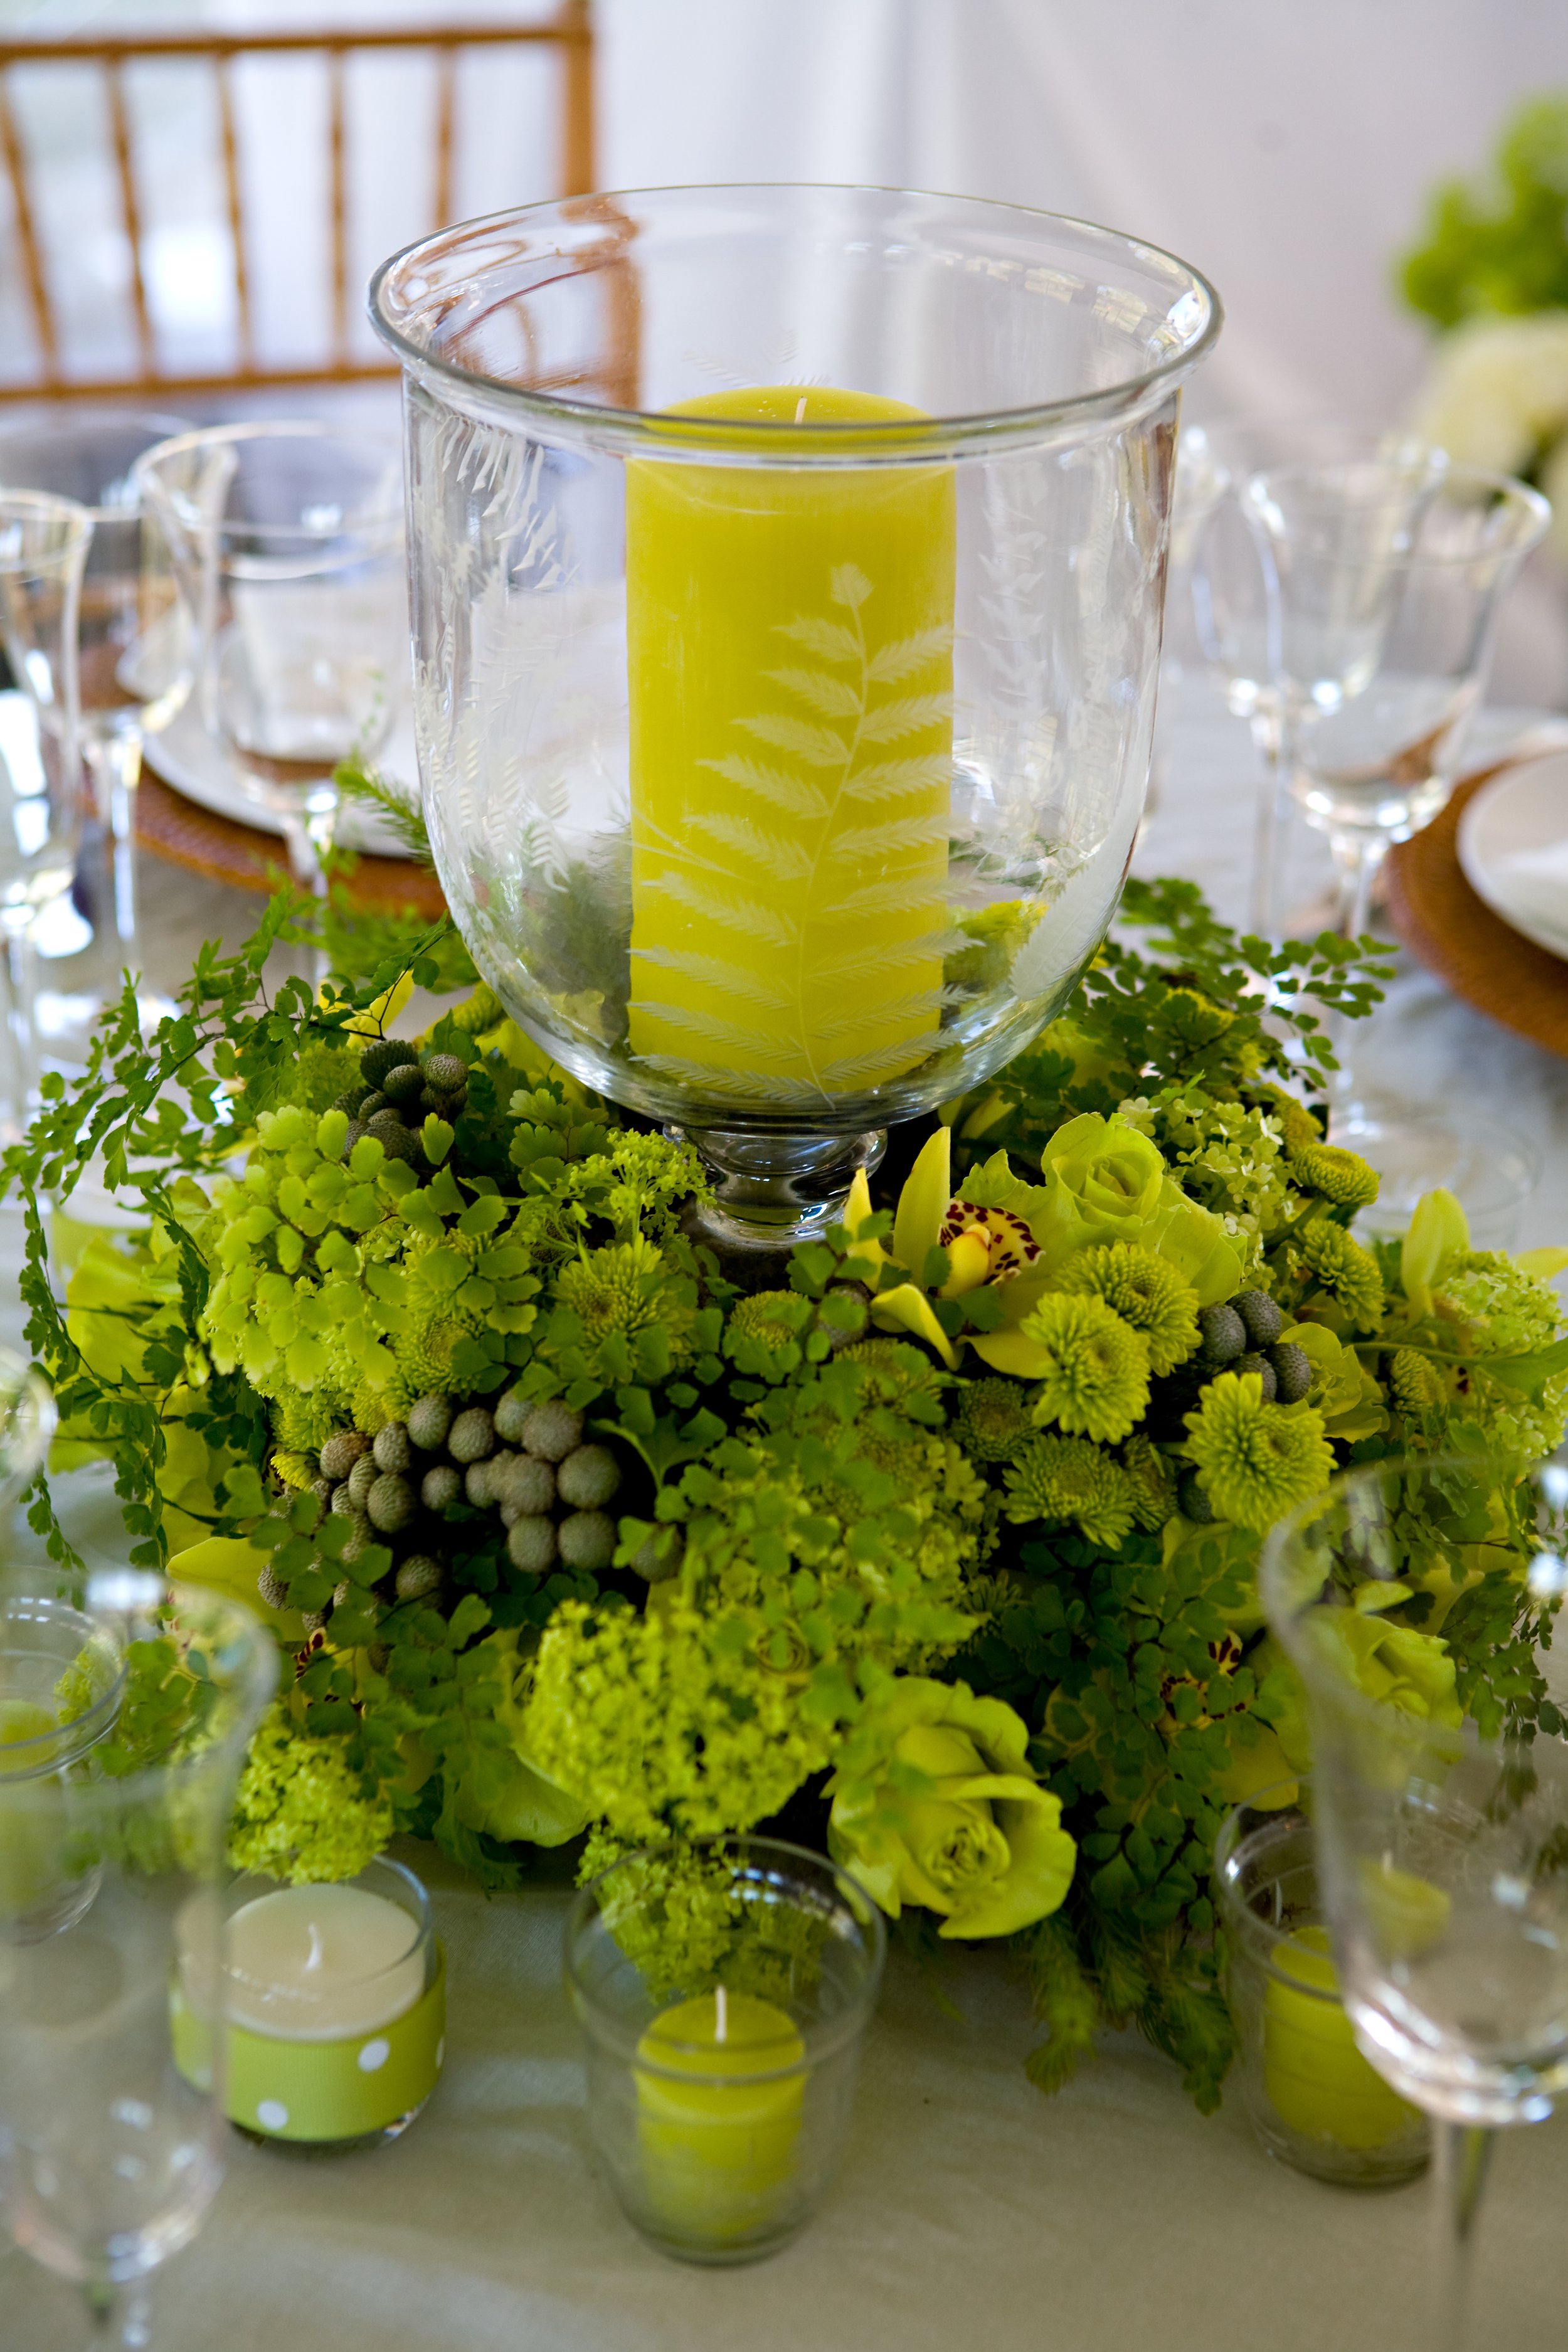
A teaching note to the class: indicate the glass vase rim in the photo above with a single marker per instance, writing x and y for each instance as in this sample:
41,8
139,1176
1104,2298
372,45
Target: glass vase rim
819,2042
1283,1618
106,420
48,1752
745,439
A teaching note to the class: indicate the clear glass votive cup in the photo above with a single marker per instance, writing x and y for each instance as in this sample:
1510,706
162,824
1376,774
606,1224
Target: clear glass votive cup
62,1677
334,2007
1311,2096
722,1997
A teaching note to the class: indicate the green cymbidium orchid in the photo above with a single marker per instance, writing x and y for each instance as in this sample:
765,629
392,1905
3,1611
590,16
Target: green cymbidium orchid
937,1804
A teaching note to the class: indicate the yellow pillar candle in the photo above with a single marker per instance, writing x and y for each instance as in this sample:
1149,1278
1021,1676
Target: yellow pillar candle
720,2121
1316,2079
790,667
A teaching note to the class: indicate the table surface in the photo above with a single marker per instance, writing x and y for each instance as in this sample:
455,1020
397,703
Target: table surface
971,2211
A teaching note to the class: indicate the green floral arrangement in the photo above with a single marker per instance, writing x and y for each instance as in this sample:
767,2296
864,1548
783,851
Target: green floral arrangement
936,1543
1492,272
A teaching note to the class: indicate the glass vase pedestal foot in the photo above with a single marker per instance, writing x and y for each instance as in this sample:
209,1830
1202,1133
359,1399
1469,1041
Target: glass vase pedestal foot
770,1191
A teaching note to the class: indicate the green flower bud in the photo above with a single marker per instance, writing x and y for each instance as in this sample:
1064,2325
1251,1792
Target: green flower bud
392,1449
588,1477
361,1478
404,1085
1262,1318
1224,1334
472,1435
553,1430
441,1488
587,1539
1292,1372
340,1451
532,1547
511,1416
418,1578
383,1053
1259,1364
429,1421
446,1072
390,1503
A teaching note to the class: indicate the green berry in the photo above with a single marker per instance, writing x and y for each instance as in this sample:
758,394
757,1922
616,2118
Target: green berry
440,1487
446,1073
477,1484
272,1589
361,1478
341,1451
1254,1363
1224,1334
397,1143
343,1503
589,1477
1192,1500
587,1539
392,1449
350,1102
390,1503
404,1085
383,1053
512,1417
472,1435
1263,1319
372,1107
531,1546
418,1577
526,1486
647,1562
1292,1372
353,1133
428,1423
553,1430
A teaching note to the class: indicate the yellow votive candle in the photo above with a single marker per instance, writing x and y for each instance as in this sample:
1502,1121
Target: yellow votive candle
1316,2079
720,2122
790,667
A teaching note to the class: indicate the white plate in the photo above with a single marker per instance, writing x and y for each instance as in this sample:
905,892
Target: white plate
188,758
1513,849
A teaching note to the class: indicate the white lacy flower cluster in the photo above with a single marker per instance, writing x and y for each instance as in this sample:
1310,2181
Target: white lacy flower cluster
1498,395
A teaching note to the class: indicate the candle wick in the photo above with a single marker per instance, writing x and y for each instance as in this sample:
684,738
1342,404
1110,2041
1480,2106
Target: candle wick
721,2020
800,409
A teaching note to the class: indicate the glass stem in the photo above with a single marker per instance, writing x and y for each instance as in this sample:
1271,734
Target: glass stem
122,2316
18,979
1461,2154
1271,829
114,763
1359,856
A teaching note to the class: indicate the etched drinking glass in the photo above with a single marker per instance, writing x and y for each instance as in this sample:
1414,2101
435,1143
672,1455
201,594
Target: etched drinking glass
288,540
1442,1854
114,1832
136,660
787,566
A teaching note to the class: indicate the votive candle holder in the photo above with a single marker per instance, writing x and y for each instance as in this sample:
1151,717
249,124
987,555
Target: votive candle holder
1313,2100
723,2032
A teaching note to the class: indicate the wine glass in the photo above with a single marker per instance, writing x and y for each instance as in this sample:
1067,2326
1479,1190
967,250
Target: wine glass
1442,1853
43,550
288,543
135,657
1387,593
1222,599
113,1814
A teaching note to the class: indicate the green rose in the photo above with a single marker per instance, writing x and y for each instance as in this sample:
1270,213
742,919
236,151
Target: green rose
1104,1182
1394,1664
506,1794
937,1804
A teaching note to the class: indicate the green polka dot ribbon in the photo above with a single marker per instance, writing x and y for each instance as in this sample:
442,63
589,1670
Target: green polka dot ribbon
321,2090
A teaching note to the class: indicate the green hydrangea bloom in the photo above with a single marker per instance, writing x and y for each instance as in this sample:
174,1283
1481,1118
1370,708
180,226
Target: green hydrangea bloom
1062,1479
321,1073
670,1721
301,1812
1507,1311
1256,1461
1094,1380
1348,1273
1341,1176
993,1420
1231,1159
1145,1292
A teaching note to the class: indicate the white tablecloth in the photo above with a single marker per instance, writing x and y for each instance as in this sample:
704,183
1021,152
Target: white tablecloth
972,2213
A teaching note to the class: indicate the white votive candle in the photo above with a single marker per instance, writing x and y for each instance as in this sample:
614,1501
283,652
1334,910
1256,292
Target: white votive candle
321,1963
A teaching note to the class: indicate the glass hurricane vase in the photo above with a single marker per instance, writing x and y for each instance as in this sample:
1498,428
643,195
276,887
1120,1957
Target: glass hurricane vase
787,569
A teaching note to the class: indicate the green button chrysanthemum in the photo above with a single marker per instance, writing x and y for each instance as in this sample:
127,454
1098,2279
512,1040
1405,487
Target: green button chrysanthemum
1152,1482
1146,1291
1095,1380
1058,1479
1416,1383
993,1420
1341,1176
1256,1460
1350,1272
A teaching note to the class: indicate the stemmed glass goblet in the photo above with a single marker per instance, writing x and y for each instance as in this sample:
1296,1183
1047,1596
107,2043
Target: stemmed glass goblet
1442,1854
112,1821
135,664
288,540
